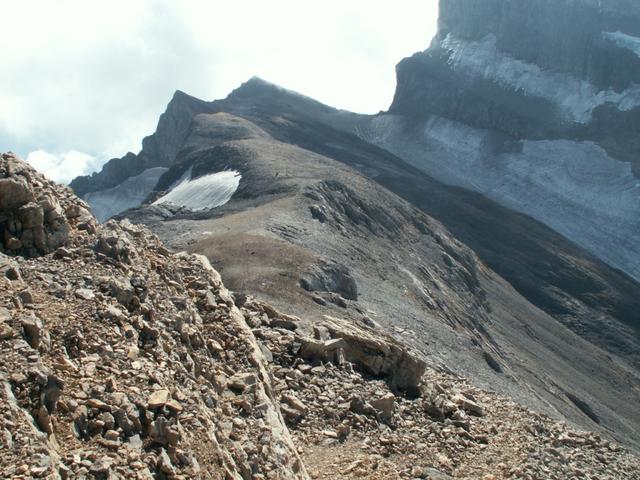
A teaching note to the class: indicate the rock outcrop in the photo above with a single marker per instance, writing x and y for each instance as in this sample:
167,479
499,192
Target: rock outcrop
350,424
37,215
330,277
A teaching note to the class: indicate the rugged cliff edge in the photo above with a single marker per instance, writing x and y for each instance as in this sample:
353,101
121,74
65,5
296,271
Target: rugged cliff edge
124,360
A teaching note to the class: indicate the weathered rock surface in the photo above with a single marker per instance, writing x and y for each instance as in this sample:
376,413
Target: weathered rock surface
331,277
348,424
412,276
37,215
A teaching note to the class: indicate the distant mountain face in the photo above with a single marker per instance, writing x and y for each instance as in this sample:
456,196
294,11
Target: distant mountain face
531,69
535,104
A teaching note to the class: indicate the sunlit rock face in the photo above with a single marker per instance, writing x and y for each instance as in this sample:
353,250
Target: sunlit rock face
536,104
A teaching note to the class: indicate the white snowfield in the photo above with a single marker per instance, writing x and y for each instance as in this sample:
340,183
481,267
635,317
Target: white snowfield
130,193
575,98
573,187
624,41
202,193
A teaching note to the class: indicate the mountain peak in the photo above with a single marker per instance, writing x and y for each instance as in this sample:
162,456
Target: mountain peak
183,99
181,96
255,85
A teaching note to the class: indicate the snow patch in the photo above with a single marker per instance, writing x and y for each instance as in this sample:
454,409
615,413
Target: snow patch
576,98
202,193
624,41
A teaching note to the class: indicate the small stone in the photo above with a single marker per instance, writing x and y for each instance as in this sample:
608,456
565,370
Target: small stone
39,471
102,465
33,331
6,332
305,368
44,420
417,472
26,297
214,346
99,404
85,294
174,405
469,405
241,381
164,463
158,398
135,441
295,403
385,405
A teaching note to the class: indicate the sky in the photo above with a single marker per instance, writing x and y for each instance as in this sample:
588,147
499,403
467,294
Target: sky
83,81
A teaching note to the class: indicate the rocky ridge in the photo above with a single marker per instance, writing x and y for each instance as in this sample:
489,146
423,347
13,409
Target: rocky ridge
158,150
307,232
123,360
349,424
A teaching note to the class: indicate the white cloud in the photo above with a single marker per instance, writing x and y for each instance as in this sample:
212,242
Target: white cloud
62,167
94,76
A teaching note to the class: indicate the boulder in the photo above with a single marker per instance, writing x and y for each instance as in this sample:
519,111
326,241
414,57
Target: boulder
34,331
329,276
14,192
469,405
377,354
241,381
116,243
322,350
158,399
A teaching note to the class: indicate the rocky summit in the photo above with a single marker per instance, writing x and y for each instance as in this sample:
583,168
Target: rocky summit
121,359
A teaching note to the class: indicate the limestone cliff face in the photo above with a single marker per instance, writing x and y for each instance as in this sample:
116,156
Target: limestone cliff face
534,69
535,104
559,35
